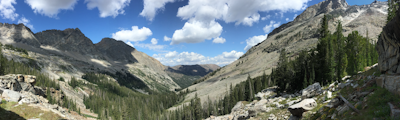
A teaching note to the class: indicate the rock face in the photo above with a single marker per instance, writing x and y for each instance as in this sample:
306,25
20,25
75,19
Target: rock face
389,82
388,47
311,91
11,95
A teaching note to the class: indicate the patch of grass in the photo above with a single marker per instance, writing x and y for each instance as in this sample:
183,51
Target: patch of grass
9,112
86,115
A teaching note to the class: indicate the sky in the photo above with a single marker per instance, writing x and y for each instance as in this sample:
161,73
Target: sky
175,32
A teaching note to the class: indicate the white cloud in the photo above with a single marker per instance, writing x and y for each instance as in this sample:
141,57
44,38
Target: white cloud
191,58
171,54
7,10
294,17
239,11
147,46
167,38
219,40
203,14
254,41
108,7
266,17
287,19
154,41
50,8
195,32
151,7
272,25
25,22
134,35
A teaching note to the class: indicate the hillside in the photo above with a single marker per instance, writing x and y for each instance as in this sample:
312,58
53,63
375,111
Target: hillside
185,75
300,34
69,53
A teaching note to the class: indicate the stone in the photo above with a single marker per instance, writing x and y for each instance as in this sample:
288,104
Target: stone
311,91
342,85
260,106
27,87
394,112
272,117
329,95
294,118
30,79
342,109
39,91
10,95
391,83
252,113
304,106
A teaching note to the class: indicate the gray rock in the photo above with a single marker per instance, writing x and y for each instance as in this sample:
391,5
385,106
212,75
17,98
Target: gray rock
394,112
272,117
329,94
294,118
10,95
304,106
311,91
342,109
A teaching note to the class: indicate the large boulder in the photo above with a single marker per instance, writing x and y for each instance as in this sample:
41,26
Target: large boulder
304,106
239,105
311,91
10,95
394,111
389,82
30,79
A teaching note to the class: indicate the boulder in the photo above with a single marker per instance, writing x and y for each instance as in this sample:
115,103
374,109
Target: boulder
304,106
10,95
30,79
27,87
9,83
394,112
260,106
329,95
389,82
272,117
311,91
39,91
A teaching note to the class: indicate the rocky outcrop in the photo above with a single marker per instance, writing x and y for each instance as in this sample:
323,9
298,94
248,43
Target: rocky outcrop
388,47
194,70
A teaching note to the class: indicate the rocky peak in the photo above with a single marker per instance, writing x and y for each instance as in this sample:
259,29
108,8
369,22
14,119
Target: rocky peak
72,40
116,50
17,33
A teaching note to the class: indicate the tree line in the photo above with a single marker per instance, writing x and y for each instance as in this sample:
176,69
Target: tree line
334,57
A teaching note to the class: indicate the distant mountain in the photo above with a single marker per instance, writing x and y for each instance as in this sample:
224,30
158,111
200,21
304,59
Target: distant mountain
300,34
184,75
69,53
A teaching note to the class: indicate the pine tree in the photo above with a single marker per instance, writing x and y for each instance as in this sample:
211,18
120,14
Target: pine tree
339,51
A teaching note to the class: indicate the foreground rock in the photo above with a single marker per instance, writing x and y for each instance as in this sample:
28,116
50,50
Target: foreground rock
304,106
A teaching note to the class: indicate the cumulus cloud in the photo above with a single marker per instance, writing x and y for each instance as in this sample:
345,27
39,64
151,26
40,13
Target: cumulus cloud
50,8
254,41
7,10
167,38
108,7
190,58
266,17
25,22
239,11
287,19
152,6
219,40
203,14
272,25
153,41
134,35
195,32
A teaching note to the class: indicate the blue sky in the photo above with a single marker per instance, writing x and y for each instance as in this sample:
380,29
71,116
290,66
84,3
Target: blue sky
172,31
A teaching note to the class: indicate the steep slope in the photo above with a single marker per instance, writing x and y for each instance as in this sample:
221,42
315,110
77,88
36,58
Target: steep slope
185,75
69,53
300,34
